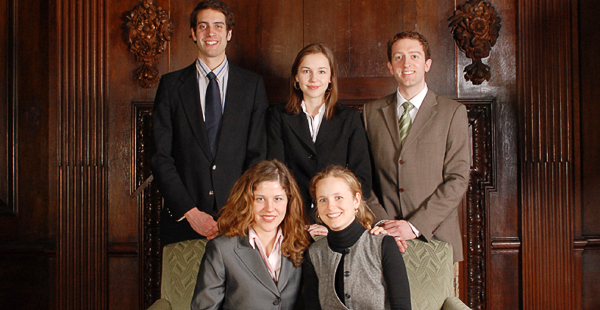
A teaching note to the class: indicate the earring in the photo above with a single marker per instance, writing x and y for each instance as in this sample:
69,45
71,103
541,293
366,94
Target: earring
297,85
355,210
318,216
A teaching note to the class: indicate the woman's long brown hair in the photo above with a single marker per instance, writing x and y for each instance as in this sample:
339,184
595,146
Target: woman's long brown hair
294,104
238,213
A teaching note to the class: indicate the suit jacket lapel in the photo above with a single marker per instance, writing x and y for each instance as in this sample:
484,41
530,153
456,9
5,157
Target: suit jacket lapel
284,273
299,125
253,261
426,112
391,119
190,98
328,126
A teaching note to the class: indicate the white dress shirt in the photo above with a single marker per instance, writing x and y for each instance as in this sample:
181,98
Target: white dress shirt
272,260
222,73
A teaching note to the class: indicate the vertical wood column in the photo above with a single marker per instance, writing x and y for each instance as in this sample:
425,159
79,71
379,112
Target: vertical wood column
82,226
546,66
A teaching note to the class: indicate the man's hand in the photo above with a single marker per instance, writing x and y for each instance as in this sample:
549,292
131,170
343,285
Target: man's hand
202,223
317,230
401,230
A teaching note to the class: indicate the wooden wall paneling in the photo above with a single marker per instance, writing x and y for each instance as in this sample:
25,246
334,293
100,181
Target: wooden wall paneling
182,51
26,248
7,105
546,103
82,99
266,38
587,228
504,240
482,181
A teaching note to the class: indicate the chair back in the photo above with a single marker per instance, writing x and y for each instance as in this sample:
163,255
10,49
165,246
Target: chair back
430,273
181,262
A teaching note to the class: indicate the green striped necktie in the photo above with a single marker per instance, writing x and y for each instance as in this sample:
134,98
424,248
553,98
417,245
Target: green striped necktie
405,121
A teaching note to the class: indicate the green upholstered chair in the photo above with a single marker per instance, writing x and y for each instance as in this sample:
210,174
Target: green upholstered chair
430,274
429,266
181,261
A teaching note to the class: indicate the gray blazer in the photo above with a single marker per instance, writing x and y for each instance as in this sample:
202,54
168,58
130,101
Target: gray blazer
233,275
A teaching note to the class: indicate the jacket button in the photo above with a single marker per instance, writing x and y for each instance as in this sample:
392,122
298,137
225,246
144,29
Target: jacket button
214,167
347,251
347,296
276,301
401,161
401,190
211,193
346,274
312,157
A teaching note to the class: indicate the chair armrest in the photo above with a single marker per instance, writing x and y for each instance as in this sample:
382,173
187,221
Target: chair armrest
454,303
161,304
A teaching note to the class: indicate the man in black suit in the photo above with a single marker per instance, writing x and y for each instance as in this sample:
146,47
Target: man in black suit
208,128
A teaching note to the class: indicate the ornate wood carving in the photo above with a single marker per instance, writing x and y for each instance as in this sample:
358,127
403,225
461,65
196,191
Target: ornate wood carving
475,27
150,204
148,31
482,180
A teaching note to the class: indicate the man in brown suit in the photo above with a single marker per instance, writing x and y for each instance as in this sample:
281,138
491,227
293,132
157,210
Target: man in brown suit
420,148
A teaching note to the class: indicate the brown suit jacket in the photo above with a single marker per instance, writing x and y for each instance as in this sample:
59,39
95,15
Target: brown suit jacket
424,181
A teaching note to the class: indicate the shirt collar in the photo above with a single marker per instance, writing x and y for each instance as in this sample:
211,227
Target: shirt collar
203,69
321,109
253,236
416,100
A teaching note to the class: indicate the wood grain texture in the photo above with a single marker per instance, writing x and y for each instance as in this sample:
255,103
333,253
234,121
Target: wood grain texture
82,246
546,114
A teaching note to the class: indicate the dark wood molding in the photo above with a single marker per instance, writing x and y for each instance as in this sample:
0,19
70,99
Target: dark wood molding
9,106
149,204
82,271
482,180
547,104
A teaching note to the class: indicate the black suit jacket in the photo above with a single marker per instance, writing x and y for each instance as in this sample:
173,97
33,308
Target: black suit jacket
188,175
341,141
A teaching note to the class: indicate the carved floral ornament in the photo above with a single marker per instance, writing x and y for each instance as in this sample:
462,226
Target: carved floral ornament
148,31
475,27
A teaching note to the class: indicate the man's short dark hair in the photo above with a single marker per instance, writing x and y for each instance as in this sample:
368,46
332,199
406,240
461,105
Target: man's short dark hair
216,5
409,35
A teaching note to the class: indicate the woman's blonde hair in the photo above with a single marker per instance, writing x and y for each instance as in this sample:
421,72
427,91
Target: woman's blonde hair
364,215
238,214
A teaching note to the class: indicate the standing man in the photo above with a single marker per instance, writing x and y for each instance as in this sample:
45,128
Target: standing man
208,128
419,142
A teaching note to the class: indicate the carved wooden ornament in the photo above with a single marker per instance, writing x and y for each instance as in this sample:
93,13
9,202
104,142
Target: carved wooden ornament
475,26
148,30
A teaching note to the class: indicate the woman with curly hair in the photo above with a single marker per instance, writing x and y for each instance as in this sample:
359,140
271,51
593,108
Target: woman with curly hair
339,267
255,262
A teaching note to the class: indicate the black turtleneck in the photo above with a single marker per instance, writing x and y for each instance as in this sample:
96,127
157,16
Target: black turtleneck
394,270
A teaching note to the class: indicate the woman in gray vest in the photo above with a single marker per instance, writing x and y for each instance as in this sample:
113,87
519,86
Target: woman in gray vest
351,268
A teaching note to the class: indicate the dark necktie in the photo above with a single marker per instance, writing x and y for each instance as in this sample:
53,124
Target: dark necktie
212,113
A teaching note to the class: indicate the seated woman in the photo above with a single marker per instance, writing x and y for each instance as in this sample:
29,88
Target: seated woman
255,262
351,268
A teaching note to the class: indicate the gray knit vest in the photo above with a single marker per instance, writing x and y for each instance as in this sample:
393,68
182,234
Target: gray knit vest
364,285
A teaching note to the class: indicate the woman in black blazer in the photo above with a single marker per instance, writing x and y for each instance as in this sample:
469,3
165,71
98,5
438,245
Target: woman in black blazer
312,130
